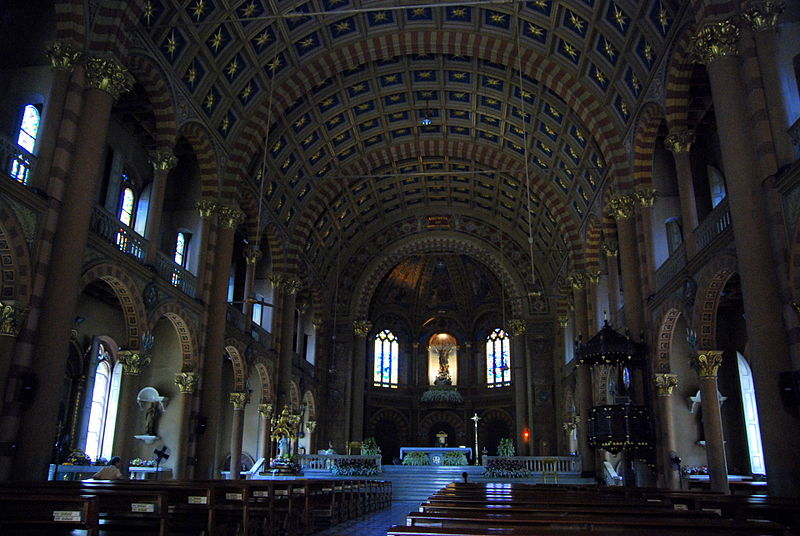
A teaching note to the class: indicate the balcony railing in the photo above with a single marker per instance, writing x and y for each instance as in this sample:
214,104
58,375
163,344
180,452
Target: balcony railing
16,161
715,223
671,266
176,275
236,317
107,226
552,464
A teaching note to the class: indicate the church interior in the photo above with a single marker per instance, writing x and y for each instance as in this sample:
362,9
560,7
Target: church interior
278,230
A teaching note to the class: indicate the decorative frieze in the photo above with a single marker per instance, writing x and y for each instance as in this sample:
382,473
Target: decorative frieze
665,383
162,160
362,327
763,15
107,75
715,40
63,55
186,382
679,141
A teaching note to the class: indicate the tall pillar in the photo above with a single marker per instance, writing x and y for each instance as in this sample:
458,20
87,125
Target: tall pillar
611,250
63,56
264,444
583,387
645,199
290,286
238,401
665,383
517,329
311,426
762,17
133,362
716,46
211,400
163,162
708,363
252,255
592,290
187,383
207,208
622,208
105,81
12,318
679,142
361,329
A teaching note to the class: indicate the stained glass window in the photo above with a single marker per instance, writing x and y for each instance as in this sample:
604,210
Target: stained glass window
28,130
126,202
498,364
103,412
385,368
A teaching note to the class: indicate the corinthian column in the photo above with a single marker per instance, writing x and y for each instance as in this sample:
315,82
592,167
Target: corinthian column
290,286
361,329
133,363
252,255
238,401
622,209
517,328
187,383
680,143
715,45
209,448
162,162
105,81
264,416
665,383
12,318
708,363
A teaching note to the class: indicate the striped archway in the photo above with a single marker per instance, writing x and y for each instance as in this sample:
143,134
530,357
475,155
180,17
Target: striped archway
127,293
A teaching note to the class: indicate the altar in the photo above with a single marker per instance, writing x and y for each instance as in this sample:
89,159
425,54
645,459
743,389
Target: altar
436,454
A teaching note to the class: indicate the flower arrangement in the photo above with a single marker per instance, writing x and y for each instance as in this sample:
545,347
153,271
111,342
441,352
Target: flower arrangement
288,465
416,458
354,467
78,457
139,462
100,461
505,468
369,447
506,447
438,394
695,470
454,457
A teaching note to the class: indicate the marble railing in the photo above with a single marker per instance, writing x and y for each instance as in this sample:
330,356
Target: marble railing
671,267
549,464
177,276
108,226
16,161
717,221
325,461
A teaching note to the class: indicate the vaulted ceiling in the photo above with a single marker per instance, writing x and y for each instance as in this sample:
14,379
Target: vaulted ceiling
376,110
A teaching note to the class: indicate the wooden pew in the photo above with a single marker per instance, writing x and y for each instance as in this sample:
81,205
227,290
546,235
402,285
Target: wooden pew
21,514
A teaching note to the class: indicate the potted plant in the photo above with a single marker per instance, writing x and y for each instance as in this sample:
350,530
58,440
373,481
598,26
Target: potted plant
369,447
506,447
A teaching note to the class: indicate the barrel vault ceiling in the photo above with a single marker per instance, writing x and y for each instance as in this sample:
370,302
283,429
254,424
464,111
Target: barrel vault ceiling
341,89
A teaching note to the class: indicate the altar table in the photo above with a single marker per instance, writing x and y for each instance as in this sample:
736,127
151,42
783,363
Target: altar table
436,454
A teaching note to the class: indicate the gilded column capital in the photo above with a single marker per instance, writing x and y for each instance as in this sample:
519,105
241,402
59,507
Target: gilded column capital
206,207
679,141
708,363
276,280
133,362
715,40
516,327
577,280
12,318
163,160
593,275
63,55
361,327
186,382
571,424
239,399
665,383
106,74
610,248
563,320
645,196
763,15
621,206
230,217
317,322
311,426
292,284
265,410
252,254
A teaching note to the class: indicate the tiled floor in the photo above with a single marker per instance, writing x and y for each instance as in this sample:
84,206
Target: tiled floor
375,523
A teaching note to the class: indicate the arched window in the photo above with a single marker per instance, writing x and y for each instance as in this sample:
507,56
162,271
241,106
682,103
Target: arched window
127,201
716,184
103,413
386,354
181,243
674,235
498,359
26,139
750,411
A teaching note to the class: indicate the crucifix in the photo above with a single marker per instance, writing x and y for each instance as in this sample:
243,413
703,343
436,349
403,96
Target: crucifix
475,419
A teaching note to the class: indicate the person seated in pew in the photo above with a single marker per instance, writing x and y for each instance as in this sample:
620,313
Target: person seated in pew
110,471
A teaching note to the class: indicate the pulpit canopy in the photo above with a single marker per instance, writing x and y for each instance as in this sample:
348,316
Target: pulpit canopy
608,347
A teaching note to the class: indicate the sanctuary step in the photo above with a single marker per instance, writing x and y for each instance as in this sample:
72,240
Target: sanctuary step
417,483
